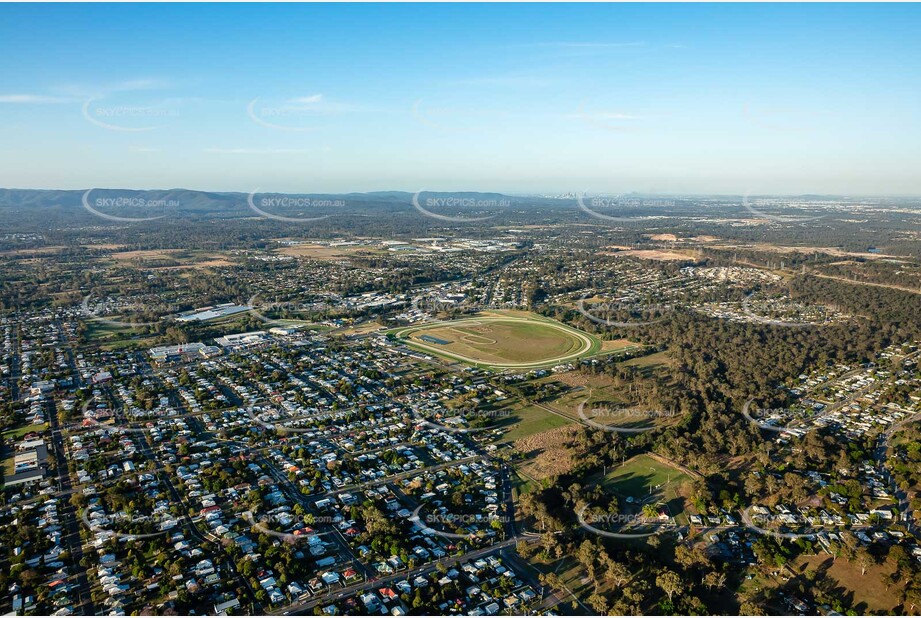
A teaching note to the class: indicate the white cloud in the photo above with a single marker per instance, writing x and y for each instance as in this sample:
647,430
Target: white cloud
615,116
501,81
31,98
314,98
137,84
588,45
101,91
255,151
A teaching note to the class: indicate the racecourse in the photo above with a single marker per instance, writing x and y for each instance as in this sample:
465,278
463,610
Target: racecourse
501,341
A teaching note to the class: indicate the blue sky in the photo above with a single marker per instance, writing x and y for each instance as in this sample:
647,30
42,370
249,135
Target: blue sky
521,98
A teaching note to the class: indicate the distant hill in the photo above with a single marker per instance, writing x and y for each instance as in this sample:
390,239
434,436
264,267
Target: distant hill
142,203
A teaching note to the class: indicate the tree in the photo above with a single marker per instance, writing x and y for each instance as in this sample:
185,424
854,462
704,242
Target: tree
689,557
864,560
912,597
670,583
587,554
714,579
377,522
524,549
599,603
551,545
747,608
616,572
551,580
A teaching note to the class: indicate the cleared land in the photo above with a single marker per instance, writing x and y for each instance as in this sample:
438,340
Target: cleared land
646,479
636,475
620,345
604,402
547,453
529,420
326,252
171,259
833,251
653,254
867,593
507,341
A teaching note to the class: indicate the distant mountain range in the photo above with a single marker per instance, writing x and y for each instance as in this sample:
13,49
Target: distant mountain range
54,206
130,202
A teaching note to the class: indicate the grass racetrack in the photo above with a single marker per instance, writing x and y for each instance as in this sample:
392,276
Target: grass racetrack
517,340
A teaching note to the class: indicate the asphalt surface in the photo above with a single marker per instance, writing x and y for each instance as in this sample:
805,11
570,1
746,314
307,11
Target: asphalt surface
84,604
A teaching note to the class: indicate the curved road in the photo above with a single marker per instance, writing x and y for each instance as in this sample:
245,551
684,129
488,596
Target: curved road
587,342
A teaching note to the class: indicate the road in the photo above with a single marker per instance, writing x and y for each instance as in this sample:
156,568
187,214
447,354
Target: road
294,495
865,283
202,537
15,365
879,455
833,406
396,477
347,591
71,359
513,536
84,604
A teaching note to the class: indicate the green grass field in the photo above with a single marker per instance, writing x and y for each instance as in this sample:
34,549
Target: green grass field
101,331
637,474
501,340
19,432
112,337
9,465
528,420
646,479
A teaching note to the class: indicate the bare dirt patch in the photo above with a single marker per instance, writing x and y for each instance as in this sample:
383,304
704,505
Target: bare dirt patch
35,251
653,254
663,237
548,452
617,344
155,254
215,263
104,247
325,252
833,251
172,259
581,379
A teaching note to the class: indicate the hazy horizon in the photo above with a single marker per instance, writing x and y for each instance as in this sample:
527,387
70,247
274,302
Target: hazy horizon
720,99
522,194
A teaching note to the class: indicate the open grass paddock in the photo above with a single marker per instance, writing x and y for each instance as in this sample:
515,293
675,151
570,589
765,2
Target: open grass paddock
503,341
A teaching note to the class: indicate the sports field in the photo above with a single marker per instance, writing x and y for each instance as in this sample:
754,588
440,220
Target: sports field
502,340
645,479
635,477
